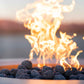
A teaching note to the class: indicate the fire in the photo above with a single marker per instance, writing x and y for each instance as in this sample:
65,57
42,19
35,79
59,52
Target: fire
74,34
83,37
44,18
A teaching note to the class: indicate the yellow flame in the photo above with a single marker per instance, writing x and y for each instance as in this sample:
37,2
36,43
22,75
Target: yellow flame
83,37
74,34
43,18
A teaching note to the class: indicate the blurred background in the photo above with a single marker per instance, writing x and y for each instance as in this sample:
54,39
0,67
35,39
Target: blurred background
12,41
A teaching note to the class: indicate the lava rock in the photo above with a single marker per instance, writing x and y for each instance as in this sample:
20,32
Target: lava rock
11,76
5,71
68,73
35,73
27,64
79,72
21,67
36,68
74,71
81,77
23,76
22,72
3,75
48,74
28,71
59,77
82,71
73,77
45,68
37,77
60,69
57,73
13,72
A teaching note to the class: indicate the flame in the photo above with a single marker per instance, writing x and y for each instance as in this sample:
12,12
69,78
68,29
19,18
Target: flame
83,37
44,18
74,34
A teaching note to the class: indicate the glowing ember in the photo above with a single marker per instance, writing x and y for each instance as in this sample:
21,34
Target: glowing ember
43,18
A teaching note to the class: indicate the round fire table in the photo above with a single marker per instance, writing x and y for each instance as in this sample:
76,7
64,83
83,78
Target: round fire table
13,63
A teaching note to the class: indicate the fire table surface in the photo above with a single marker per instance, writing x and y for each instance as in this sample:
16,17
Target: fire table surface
8,62
20,81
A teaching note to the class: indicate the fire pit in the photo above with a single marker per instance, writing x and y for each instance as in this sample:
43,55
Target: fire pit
43,19
13,63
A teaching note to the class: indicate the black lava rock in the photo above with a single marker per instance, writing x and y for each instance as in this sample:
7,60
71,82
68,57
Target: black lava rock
82,71
48,74
21,67
74,71
27,64
37,77
23,73
73,77
57,73
45,68
60,69
81,77
5,71
23,76
13,72
3,75
11,76
28,71
68,73
36,68
59,77
35,73
78,72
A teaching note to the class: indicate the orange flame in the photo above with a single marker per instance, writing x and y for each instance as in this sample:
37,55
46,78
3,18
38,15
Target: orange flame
43,18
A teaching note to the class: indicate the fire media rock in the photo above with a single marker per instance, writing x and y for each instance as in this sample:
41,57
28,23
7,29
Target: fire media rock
26,71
